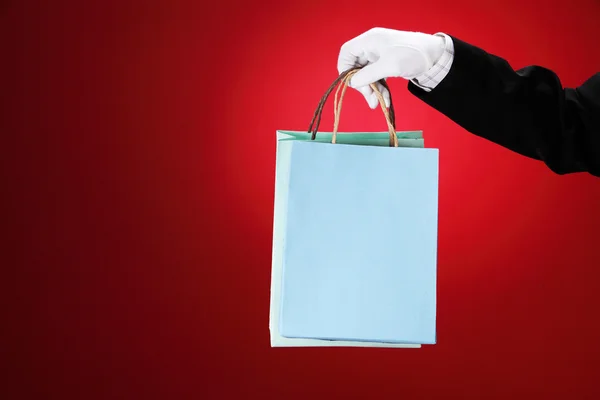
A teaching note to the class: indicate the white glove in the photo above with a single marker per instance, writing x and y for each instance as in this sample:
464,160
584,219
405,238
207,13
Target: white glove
386,53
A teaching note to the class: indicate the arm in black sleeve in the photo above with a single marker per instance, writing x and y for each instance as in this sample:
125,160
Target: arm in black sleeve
527,110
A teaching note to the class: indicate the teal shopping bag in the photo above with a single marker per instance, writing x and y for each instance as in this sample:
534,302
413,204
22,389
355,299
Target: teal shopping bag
355,237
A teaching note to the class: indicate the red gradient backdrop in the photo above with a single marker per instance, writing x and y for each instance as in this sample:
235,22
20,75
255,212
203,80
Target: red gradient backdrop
137,164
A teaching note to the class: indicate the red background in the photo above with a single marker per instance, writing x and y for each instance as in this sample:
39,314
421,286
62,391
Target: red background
137,165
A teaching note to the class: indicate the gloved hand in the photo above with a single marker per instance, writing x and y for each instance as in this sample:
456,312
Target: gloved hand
388,53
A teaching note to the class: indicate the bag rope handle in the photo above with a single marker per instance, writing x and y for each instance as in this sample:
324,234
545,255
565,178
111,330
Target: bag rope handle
342,82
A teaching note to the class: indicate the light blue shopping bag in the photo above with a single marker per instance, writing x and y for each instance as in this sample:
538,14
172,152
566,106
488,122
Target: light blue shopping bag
355,238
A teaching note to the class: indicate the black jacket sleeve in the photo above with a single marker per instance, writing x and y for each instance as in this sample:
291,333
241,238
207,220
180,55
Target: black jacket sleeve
527,110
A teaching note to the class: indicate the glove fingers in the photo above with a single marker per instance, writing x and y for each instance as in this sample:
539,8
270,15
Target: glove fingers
369,96
369,74
385,93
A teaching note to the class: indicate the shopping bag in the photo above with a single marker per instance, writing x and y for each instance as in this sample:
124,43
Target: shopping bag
354,236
